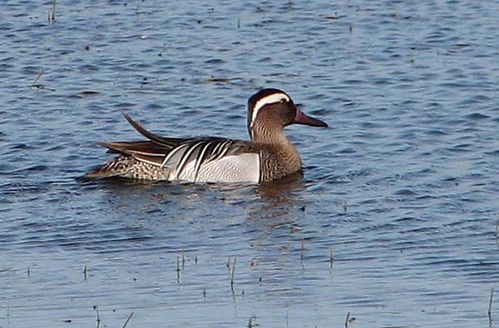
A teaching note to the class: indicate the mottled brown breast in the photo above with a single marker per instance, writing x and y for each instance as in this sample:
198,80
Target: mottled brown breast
278,162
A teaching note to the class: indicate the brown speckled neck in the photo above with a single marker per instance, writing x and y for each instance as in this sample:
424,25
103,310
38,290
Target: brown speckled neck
278,156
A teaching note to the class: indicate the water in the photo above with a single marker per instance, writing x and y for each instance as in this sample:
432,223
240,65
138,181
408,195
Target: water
402,189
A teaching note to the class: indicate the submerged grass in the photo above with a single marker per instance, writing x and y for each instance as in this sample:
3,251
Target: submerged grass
51,12
491,300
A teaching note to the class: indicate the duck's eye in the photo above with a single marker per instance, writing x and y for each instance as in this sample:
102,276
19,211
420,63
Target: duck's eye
283,101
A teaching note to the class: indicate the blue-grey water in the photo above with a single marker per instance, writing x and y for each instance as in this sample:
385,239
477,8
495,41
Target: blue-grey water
402,192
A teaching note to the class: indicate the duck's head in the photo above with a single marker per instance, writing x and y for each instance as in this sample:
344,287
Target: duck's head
271,110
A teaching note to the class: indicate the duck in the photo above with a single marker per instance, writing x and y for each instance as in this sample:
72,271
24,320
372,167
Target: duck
268,156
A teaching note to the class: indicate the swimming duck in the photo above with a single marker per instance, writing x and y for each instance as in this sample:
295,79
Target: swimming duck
268,156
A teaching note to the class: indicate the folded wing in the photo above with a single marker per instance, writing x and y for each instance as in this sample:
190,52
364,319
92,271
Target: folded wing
179,157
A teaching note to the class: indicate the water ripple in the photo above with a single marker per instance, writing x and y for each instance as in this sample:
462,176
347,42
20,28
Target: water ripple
394,221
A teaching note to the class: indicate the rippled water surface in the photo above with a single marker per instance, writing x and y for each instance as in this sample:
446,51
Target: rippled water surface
395,221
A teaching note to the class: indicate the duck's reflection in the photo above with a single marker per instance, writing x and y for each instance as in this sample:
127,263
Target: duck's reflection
281,188
267,205
261,201
277,210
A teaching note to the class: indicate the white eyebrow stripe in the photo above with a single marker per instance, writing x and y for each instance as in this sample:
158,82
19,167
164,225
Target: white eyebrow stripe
270,99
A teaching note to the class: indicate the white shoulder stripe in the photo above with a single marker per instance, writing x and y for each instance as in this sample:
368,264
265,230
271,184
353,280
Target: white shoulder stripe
183,160
200,159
